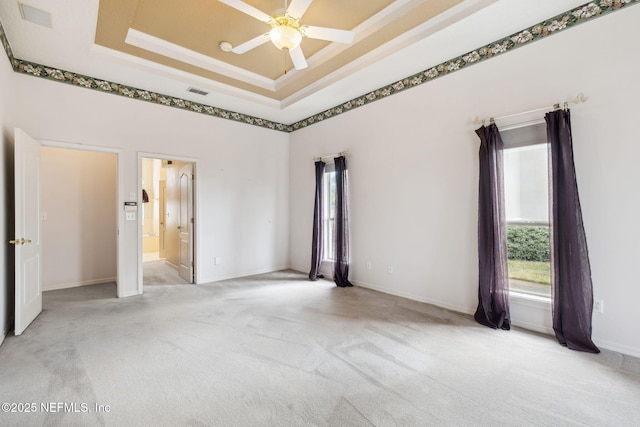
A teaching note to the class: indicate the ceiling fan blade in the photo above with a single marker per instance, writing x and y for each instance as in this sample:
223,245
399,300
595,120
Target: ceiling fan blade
297,8
251,44
248,9
297,57
330,34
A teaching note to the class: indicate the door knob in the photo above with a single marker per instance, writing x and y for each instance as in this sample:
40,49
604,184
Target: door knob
20,241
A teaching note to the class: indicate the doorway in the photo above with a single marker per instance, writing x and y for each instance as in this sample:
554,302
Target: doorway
167,221
52,192
78,222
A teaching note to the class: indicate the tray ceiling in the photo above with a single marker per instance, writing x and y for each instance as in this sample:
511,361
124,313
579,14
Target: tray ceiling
186,36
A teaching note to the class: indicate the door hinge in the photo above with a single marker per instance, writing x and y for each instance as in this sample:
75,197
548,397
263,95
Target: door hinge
192,221
193,177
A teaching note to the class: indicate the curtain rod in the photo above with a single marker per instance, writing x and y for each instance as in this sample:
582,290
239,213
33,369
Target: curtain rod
579,99
331,156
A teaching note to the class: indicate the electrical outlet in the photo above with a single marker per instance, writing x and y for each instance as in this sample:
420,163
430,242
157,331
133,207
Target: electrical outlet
598,306
368,265
390,269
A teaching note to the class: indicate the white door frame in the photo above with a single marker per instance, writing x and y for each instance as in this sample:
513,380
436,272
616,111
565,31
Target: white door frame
186,271
194,162
119,199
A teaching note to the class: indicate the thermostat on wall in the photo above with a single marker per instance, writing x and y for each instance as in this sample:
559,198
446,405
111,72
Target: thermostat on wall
130,206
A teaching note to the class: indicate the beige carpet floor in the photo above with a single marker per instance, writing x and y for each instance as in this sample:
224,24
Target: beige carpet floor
278,350
158,272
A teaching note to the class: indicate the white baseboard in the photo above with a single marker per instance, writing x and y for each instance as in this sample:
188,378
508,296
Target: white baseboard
128,294
606,345
459,309
242,274
172,265
4,334
452,307
304,270
603,344
78,284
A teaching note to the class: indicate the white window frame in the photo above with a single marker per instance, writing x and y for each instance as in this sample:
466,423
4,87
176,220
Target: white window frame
328,221
524,221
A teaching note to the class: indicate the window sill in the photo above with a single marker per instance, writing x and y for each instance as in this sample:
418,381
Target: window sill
530,300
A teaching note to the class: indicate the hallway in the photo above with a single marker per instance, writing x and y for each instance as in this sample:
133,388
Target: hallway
160,273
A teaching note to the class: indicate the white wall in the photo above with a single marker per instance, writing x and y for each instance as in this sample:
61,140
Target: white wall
414,174
241,178
413,169
7,119
78,197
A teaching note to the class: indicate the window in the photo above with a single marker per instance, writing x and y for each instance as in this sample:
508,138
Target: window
526,177
329,201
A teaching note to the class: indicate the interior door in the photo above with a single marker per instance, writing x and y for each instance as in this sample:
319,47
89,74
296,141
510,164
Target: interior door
28,257
185,223
162,214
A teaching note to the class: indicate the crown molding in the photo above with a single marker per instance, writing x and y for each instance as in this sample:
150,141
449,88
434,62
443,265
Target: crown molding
172,50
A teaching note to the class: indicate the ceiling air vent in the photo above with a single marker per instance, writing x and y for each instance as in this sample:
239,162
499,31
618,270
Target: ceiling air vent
36,16
197,91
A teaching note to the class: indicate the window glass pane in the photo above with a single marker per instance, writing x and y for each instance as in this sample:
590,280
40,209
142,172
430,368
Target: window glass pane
528,259
329,214
526,191
527,212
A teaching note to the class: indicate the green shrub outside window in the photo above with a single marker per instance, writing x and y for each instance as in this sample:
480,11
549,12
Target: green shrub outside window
528,243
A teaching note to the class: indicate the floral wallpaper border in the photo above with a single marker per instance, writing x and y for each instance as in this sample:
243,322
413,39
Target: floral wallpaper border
563,21
546,28
51,73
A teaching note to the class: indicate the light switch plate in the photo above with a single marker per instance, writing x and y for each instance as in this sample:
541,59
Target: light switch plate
130,216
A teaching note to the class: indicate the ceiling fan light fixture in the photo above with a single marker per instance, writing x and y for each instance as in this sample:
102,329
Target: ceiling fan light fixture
285,32
285,38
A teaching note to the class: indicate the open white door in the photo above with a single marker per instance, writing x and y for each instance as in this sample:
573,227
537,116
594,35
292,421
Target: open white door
185,227
162,211
27,231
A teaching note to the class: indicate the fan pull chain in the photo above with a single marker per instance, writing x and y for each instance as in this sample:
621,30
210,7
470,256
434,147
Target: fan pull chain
284,60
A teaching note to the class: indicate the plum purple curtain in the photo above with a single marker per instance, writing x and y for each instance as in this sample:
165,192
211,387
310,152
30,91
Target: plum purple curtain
572,287
341,264
493,283
318,212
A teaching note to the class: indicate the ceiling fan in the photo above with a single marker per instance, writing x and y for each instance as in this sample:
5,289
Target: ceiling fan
286,31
